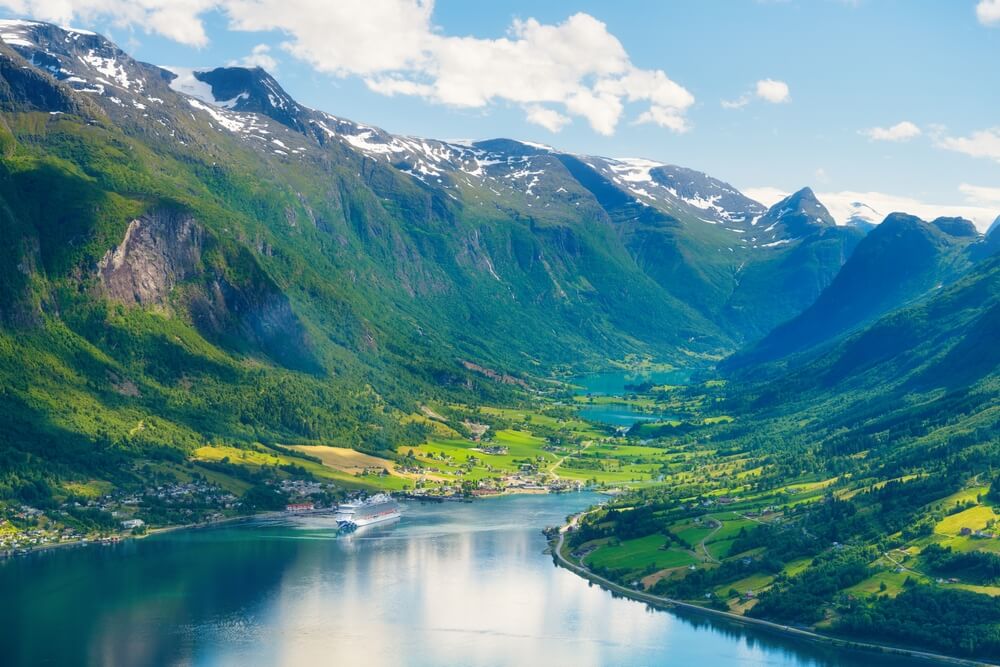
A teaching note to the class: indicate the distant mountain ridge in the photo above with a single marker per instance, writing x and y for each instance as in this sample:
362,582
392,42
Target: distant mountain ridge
900,260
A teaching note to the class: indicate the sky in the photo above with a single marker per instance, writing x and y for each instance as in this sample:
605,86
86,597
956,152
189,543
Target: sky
895,103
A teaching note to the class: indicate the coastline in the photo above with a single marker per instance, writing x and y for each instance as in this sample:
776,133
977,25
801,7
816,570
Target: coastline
273,514
556,547
118,539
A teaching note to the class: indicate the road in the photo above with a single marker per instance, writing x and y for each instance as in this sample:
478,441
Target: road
809,635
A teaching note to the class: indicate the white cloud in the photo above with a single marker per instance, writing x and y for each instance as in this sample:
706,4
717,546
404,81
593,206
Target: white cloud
179,20
766,194
841,204
902,131
738,103
396,49
982,143
988,12
347,37
771,90
550,119
260,56
981,194
664,117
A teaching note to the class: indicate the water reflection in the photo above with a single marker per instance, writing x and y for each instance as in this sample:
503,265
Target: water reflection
449,584
622,415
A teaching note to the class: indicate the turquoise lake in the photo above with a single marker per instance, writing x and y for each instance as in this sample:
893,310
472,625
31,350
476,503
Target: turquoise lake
620,415
614,383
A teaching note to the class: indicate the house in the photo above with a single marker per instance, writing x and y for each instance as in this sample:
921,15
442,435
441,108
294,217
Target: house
299,507
965,531
129,524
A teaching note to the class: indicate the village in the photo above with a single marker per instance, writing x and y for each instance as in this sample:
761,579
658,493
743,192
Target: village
111,517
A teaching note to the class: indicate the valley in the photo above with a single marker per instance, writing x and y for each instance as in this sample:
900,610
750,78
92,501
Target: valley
218,304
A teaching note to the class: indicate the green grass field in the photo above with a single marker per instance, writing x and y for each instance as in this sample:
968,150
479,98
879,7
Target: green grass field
755,582
974,518
256,458
638,554
873,585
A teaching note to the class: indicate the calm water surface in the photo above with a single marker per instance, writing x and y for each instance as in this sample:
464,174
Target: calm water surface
621,415
449,584
612,383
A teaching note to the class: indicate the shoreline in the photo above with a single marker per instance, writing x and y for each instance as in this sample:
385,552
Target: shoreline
119,539
556,546
272,514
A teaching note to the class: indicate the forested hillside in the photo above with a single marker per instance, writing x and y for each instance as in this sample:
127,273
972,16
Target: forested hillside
195,257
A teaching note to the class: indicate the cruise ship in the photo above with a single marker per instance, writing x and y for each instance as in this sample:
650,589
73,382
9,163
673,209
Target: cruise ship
368,511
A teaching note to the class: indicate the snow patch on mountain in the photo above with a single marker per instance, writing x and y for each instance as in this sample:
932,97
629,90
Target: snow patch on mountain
633,170
14,31
111,69
186,83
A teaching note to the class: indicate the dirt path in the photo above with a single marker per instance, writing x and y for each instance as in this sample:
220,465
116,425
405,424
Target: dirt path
552,468
902,567
705,539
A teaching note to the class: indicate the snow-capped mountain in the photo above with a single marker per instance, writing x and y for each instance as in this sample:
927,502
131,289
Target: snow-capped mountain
794,217
250,104
680,189
703,243
862,216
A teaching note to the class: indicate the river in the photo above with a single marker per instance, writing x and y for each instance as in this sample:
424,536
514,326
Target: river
448,584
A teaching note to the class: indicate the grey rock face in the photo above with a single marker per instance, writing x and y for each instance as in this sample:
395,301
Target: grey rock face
159,250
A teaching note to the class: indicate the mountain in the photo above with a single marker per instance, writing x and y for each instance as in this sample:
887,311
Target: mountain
862,216
993,227
933,360
900,260
678,238
797,215
803,251
193,255
246,90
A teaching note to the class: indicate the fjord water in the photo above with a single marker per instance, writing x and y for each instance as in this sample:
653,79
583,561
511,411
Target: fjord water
450,583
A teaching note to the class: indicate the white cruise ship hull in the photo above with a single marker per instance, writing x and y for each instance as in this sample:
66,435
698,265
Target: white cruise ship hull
364,513
367,521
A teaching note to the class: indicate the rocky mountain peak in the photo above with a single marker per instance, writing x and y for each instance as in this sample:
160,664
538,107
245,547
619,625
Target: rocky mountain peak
243,89
84,60
797,215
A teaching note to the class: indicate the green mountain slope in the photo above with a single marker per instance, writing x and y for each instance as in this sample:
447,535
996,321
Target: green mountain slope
852,491
900,260
195,257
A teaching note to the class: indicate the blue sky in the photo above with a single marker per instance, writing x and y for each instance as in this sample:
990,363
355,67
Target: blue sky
926,73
